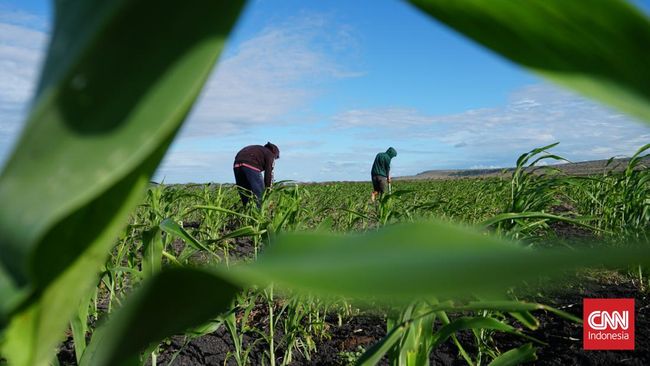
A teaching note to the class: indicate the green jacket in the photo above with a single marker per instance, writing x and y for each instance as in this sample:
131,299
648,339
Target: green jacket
381,166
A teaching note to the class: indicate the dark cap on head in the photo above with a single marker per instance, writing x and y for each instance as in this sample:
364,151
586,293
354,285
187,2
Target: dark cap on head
273,149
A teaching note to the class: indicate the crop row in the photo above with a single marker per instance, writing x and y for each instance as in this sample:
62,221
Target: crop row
181,225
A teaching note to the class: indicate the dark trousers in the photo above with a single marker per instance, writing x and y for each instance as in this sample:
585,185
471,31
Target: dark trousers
251,180
379,183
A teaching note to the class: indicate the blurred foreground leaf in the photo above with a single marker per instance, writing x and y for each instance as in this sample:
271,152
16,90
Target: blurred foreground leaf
597,47
119,79
168,303
401,262
517,356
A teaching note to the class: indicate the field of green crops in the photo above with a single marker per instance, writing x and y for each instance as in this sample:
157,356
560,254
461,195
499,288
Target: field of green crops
448,272
188,225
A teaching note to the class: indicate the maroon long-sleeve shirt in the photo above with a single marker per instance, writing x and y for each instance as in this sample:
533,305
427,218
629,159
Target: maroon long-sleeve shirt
258,157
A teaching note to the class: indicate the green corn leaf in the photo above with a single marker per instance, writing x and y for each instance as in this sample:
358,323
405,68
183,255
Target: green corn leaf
34,330
152,247
523,158
544,157
131,271
517,356
526,318
374,354
477,323
510,306
602,52
224,210
401,262
444,318
79,325
168,303
205,328
356,213
10,296
401,192
118,80
537,215
636,159
523,316
468,323
171,227
326,225
416,345
241,232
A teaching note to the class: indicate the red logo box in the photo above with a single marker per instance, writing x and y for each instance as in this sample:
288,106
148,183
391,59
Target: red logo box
608,324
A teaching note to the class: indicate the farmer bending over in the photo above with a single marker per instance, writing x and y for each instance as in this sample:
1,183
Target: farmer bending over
249,164
380,172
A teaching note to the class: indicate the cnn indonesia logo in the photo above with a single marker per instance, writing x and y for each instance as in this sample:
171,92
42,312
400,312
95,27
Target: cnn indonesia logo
608,324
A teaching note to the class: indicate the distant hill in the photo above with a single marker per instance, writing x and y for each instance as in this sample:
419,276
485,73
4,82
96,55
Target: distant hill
574,169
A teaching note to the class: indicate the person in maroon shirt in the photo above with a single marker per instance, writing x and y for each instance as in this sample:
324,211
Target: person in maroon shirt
249,164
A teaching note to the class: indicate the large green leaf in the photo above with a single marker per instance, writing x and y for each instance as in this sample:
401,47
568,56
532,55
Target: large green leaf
10,296
118,80
597,47
168,303
401,262
375,353
516,356
35,329
152,248
172,228
537,215
469,323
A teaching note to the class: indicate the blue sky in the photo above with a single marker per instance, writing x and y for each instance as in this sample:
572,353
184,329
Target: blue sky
334,82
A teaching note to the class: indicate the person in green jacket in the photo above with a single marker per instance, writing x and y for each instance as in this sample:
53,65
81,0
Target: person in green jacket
380,172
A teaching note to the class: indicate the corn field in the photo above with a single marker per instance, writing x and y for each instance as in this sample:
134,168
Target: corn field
179,226
98,266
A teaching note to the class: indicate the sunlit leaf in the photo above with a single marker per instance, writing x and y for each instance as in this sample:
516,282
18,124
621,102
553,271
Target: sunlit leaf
379,349
517,356
169,303
118,80
171,227
602,52
402,262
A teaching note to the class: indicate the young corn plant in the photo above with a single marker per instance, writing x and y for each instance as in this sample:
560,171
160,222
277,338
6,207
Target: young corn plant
238,323
411,335
386,209
618,200
533,190
297,331
636,196
94,138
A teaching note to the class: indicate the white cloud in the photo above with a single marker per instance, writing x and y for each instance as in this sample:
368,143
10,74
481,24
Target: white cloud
195,166
274,75
382,118
270,75
484,167
258,83
535,115
9,15
345,164
21,52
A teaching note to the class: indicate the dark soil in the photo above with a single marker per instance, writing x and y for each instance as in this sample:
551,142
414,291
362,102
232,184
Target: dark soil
569,231
564,338
359,332
242,248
